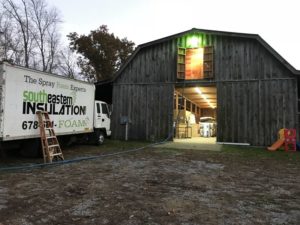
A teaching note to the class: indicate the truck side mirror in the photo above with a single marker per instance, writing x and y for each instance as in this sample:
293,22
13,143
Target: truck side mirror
110,109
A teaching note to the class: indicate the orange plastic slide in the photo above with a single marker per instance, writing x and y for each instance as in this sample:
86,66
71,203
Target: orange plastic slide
276,145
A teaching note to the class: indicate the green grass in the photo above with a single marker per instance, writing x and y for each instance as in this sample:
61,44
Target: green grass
242,152
227,150
115,144
260,153
111,146
169,151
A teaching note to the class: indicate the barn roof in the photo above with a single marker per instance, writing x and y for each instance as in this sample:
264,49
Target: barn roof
213,32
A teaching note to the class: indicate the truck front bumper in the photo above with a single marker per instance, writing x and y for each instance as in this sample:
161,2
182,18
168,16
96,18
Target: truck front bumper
108,132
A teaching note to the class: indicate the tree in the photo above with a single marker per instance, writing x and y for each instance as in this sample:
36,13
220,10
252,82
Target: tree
6,36
45,23
21,19
33,37
67,63
101,53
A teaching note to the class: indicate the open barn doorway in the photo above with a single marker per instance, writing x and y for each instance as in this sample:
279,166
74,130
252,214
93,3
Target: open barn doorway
195,114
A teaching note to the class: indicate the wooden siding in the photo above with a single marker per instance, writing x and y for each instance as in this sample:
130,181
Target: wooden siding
253,112
144,93
149,108
257,94
245,59
150,65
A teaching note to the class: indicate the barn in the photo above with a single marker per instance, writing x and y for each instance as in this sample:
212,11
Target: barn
168,87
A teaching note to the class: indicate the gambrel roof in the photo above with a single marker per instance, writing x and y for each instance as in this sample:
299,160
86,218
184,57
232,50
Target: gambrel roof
211,32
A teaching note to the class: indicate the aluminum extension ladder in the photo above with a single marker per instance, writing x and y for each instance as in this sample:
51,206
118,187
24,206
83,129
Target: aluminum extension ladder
50,145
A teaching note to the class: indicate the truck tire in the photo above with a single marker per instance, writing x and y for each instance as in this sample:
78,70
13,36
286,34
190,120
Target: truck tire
100,137
66,140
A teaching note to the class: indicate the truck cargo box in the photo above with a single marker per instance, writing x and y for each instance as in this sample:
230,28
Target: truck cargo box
70,103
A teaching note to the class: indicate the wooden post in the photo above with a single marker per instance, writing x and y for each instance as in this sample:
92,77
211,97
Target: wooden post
184,102
126,131
176,104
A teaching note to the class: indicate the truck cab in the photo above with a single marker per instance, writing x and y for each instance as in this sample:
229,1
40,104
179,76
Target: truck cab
102,120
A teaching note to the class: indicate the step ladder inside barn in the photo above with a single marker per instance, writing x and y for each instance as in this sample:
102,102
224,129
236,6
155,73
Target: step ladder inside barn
50,145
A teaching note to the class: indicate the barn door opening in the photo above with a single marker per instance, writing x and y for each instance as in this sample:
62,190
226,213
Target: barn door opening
195,114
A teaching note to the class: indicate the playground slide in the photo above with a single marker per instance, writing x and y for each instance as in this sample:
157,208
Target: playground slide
276,145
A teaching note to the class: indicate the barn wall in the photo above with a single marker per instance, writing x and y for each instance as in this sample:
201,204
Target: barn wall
152,65
144,93
256,94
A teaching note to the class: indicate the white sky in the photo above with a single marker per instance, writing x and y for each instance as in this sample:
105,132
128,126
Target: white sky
276,21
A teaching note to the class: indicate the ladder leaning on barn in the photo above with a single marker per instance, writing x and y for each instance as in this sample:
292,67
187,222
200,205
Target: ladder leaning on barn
50,145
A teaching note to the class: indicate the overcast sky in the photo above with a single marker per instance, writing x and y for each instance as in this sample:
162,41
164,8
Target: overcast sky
276,21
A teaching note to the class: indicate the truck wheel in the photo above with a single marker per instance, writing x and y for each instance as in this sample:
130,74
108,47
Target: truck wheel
100,138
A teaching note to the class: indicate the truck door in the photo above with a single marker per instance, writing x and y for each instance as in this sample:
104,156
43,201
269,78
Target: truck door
102,119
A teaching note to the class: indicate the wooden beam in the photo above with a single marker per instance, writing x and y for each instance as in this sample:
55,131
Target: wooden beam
176,102
202,99
193,90
201,103
195,95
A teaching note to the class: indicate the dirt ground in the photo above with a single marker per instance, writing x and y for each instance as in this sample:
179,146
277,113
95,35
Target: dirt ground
154,186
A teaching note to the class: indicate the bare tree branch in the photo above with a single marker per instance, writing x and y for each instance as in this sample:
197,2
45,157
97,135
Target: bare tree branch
32,38
21,18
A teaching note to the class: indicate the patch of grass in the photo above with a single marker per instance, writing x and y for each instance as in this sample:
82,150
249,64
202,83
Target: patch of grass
169,151
260,153
109,146
115,144
78,151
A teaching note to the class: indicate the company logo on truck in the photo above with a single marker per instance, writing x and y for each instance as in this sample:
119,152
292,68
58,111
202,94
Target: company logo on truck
55,104
52,103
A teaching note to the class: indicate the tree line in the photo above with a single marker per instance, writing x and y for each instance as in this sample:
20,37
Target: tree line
30,37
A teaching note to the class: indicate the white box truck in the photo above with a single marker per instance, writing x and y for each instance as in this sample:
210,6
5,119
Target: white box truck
70,104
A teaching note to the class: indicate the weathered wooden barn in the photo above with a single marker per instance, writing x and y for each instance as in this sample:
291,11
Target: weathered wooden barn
236,78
